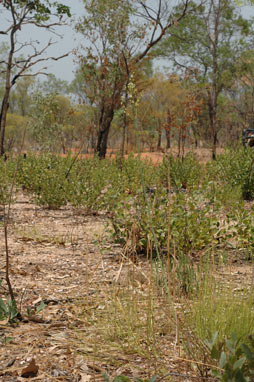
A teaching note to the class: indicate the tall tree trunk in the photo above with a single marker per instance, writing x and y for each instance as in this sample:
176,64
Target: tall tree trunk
122,149
167,129
215,140
3,117
159,135
8,86
106,117
214,131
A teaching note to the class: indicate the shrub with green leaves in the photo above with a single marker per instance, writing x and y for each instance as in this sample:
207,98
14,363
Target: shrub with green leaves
7,170
180,222
8,310
100,185
45,176
235,358
93,183
234,168
183,173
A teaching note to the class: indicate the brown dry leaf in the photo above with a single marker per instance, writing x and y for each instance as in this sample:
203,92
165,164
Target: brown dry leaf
39,299
4,322
31,370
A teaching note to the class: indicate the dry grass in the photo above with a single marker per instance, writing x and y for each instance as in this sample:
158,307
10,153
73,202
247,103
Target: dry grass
103,312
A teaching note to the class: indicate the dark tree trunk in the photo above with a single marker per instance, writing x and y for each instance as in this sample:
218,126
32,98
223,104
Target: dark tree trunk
168,144
122,149
3,116
215,140
8,86
106,118
212,107
159,135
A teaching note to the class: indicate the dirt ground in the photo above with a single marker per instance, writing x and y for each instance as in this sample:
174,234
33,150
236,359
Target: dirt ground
203,154
52,255
57,257
61,257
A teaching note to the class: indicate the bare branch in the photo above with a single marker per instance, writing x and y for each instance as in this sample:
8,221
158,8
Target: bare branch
147,10
36,73
154,40
28,65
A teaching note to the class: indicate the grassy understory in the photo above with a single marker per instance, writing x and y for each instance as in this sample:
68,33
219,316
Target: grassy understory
180,225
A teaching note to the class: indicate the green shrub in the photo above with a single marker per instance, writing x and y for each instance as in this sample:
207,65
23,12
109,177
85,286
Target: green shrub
45,177
184,173
235,358
6,170
8,309
235,168
180,222
100,185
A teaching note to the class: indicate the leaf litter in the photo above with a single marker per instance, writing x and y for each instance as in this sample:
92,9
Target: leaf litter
56,260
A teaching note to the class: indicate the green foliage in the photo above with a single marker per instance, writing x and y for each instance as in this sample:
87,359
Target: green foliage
190,40
45,123
180,222
101,185
183,173
8,310
51,188
106,26
124,378
6,177
96,186
162,220
193,217
220,306
16,125
235,168
235,358
5,340
46,178
32,312
243,222
41,9
228,197
52,85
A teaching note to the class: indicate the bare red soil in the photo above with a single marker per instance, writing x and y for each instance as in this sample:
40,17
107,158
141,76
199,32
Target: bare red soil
203,154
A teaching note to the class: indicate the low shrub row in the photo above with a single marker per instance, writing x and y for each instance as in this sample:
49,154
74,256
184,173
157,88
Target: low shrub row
178,205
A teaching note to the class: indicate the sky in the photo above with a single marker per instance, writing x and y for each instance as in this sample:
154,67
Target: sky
64,68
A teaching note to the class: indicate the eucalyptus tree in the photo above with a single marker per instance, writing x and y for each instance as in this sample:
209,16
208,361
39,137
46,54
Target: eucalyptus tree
3,58
121,35
26,53
206,46
52,85
241,94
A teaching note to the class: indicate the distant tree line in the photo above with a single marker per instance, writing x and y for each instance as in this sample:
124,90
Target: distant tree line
117,98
